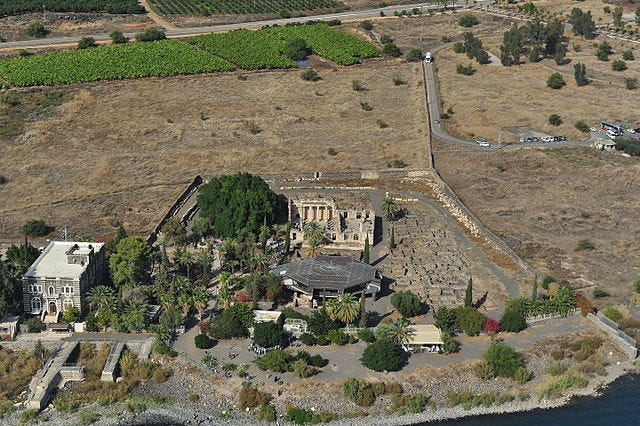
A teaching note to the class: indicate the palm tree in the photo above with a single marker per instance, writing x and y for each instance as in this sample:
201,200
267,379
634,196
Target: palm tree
314,248
389,208
167,301
225,296
344,308
183,258
260,263
200,300
185,301
313,231
399,332
101,297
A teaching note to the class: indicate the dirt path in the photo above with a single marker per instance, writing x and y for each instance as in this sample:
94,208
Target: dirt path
156,17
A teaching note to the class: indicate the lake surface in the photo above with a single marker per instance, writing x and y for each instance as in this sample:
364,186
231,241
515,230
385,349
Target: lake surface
619,405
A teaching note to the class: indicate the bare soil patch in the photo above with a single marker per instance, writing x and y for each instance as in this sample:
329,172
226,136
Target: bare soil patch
13,28
123,150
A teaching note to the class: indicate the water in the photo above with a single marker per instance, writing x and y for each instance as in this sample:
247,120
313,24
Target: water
619,406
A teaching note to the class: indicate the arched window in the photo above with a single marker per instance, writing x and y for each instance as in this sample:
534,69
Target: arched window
68,303
36,304
52,290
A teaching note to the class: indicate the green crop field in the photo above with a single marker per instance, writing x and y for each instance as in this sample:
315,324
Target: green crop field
240,7
161,58
14,7
249,50
260,49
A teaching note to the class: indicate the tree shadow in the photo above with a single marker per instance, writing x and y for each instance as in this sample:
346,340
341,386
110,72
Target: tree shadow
481,301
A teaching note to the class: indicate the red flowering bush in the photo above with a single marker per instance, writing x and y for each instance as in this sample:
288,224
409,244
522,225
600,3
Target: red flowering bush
241,296
492,326
585,305
205,326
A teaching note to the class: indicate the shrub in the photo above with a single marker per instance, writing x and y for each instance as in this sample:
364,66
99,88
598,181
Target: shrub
37,30
522,375
161,374
628,55
338,337
268,413
202,341
483,370
408,304
277,360
555,120
618,65
582,126
152,34
468,20
598,292
383,355
299,416
251,397
86,43
307,339
469,320
296,49
492,326
612,313
546,281
357,86
585,305
385,38
504,360
161,348
302,369
87,417
6,408
555,81
459,47
512,321
310,75
366,106
318,361
418,403
392,50
397,81
381,123
585,244
564,383
414,55
631,83
449,344
28,415
557,368
465,69
323,341
636,286
34,325
360,392
366,25
367,335
117,37
193,397
269,334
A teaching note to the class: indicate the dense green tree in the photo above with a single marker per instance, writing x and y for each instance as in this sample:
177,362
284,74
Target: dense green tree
22,257
236,202
580,74
511,47
130,261
366,255
503,359
468,293
512,321
171,319
296,49
277,360
414,55
582,23
202,341
554,120
269,334
35,228
391,49
555,81
227,326
468,20
407,303
384,355
619,65
174,231
474,49
320,323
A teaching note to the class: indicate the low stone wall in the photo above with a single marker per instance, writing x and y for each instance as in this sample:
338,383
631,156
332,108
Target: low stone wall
611,328
541,318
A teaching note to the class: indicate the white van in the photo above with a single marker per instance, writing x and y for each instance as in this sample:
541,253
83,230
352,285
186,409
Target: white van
428,58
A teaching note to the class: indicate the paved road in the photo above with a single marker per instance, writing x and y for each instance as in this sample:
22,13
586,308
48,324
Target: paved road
185,32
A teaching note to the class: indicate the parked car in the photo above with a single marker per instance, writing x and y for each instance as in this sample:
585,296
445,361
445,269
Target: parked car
562,138
437,121
535,139
480,141
547,139
484,144
594,129
529,139
523,140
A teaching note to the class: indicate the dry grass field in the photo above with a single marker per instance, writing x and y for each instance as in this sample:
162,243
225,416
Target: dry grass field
542,202
122,151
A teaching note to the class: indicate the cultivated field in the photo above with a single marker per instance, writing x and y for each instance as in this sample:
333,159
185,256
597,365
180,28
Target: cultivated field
124,150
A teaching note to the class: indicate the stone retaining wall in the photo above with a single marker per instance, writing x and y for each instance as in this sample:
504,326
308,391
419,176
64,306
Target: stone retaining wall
611,328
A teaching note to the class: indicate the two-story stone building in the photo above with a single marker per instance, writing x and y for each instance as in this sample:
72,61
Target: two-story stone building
61,277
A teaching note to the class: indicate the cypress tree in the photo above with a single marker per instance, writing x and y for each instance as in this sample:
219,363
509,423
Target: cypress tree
468,294
362,323
287,239
366,255
392,239
534,293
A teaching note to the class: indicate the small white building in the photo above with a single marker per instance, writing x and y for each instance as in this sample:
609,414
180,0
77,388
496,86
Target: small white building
604,145
61,276
9,327
426,336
